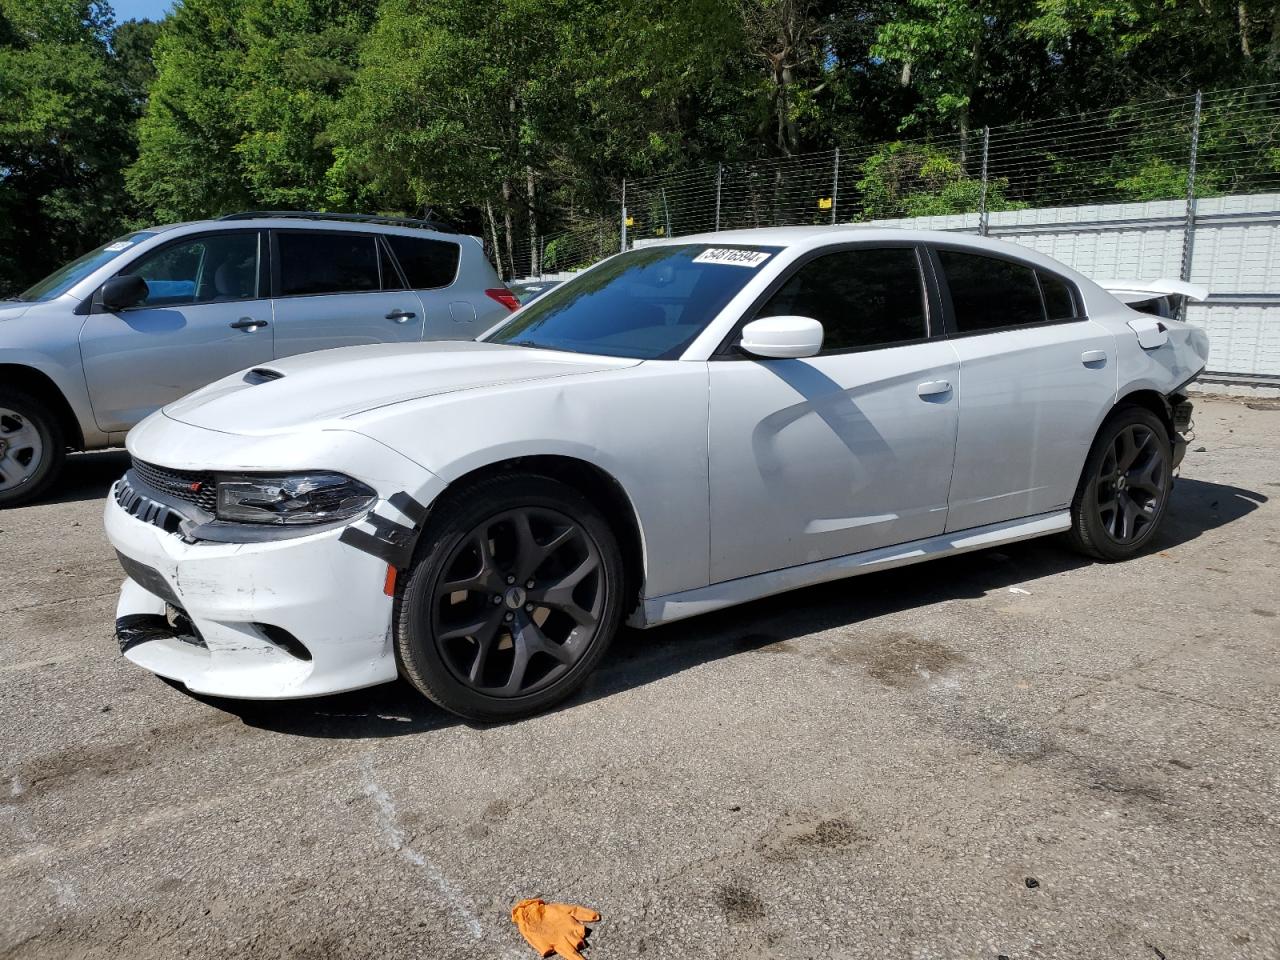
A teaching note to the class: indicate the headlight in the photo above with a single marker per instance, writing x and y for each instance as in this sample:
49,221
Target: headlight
300,498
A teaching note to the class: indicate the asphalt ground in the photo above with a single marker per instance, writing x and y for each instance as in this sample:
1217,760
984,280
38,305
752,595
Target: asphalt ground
1013,753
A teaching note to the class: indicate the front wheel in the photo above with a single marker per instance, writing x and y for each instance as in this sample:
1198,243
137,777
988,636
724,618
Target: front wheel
514,596
32,448
1124,492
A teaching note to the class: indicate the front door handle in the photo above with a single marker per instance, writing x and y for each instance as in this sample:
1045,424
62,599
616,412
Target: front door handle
933,388
1093,356
400,316
248,323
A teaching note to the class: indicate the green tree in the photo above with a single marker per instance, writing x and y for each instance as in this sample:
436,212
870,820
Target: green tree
62,107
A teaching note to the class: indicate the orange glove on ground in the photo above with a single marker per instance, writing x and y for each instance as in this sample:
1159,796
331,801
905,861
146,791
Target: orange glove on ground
553,927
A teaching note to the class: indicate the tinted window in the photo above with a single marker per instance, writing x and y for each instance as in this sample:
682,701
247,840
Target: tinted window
390,275
220,266
987,293
862,298
1059,304
648,304
426,263
327,263
66,277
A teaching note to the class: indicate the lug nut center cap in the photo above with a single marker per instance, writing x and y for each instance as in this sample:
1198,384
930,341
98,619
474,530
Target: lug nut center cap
514,598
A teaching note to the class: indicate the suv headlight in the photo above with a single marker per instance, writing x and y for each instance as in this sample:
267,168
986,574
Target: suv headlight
296,498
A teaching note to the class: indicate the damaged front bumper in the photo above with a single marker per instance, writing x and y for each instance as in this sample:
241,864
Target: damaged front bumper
272,620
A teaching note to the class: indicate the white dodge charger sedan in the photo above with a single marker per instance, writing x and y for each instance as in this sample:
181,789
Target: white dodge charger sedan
683,427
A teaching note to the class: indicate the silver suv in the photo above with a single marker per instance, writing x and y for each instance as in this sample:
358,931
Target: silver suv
96,346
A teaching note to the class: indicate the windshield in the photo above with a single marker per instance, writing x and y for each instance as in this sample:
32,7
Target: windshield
645,304
66,277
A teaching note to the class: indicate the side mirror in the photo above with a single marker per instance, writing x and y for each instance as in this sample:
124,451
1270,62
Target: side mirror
782,337
119,293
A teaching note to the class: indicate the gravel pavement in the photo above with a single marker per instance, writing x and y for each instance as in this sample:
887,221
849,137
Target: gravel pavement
1014,753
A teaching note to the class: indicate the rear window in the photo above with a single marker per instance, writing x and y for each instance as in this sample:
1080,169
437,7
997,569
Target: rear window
647,304
326,262
426,263
1059,302
988,293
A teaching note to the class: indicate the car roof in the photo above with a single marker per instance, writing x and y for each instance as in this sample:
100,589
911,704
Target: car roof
308,223
835,233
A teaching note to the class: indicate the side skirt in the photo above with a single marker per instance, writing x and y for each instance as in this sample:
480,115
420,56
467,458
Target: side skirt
689,603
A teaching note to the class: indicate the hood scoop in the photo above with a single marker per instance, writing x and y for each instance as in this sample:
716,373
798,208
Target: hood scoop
262,375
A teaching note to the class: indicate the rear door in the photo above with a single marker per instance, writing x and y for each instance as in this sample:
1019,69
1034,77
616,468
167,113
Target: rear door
842,452
337,289
431,268
207,315
1036,375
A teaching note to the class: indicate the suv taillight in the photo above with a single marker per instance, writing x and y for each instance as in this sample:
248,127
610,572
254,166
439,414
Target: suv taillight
504,297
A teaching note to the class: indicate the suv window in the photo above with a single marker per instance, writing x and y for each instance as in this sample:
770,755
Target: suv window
1059,304
864,297
208,269
988,293
327,262
426,263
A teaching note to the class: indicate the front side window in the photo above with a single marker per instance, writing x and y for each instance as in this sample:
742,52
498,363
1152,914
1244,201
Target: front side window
864,297
67,276
647,304
427,264
326,262
208,269
988,293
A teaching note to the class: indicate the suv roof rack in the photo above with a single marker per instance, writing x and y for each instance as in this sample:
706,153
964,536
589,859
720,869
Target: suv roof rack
350,217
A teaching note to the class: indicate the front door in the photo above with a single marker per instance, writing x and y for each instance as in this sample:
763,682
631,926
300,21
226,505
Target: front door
336,289
204,318
1036,377
845,451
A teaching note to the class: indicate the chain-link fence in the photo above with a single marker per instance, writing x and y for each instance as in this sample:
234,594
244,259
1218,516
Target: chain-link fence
1221,143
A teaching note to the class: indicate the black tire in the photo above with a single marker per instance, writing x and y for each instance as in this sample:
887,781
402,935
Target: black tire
481,643
1124,491
36,464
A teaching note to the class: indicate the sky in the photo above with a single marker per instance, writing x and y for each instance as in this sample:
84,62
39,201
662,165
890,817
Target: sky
140,9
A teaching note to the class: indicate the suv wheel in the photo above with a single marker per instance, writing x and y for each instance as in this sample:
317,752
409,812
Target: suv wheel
515,594
32,448
1124,492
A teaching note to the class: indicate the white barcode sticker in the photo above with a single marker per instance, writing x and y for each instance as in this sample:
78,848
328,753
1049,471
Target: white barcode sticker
734,258
118,246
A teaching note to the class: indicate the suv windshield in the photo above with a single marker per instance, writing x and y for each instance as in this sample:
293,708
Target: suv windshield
66,277
646,304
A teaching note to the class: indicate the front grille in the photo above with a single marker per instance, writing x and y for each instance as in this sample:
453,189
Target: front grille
189,486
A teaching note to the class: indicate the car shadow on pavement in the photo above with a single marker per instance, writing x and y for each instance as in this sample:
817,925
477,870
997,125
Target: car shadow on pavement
88,476
639,657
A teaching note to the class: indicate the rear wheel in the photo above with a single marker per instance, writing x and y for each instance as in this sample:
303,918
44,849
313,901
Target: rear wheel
32,448
513,599
1124,492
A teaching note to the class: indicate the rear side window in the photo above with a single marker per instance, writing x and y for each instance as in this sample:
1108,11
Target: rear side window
1059,303
327,262
862,297
426,263
988,293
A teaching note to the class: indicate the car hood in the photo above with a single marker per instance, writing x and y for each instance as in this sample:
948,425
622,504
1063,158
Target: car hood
329,385
11,311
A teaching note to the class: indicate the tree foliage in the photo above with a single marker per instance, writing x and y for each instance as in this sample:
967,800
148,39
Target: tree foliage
519,118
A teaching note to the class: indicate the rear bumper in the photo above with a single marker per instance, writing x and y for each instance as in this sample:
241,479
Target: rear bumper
273,620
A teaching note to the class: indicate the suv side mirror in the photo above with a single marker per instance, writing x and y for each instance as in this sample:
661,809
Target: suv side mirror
119,293
782,337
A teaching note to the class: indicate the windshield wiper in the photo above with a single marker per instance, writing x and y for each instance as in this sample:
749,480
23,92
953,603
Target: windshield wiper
524,343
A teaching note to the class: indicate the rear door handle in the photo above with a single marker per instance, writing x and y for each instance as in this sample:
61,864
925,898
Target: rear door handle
1093,356
933,388
400,316
248,323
